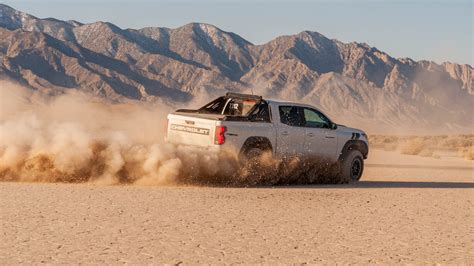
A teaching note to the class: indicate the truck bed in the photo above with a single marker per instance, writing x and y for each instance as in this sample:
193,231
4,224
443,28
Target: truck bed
188,113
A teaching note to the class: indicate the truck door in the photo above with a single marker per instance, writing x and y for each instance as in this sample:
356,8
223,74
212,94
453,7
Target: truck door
291,131
320,139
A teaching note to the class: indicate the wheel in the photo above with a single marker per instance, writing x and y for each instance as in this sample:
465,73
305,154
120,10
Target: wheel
352,167
257,167
253,153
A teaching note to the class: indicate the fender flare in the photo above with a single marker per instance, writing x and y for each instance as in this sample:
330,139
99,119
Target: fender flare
255,141
354,145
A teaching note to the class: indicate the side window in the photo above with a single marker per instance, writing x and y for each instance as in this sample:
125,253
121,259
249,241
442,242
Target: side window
291,115
316,119
261,113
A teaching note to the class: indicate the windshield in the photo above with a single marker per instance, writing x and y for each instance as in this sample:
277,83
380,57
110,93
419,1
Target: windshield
229,106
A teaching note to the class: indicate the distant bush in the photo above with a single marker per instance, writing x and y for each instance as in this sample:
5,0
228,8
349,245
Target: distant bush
426,145
412,146
467,153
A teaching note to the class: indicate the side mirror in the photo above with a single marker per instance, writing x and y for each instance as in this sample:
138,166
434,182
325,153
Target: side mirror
333,126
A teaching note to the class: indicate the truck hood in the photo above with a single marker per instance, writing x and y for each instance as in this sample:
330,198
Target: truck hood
346,129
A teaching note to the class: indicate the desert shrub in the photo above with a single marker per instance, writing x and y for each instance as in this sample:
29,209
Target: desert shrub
427,153
467,153
412,146
457,141
388,143
427,146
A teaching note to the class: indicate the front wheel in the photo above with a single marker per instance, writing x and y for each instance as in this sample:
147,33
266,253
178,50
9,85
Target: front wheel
352,167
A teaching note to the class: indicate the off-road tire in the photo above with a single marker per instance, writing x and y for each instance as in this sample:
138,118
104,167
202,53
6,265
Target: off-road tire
351,167
253,153
255,171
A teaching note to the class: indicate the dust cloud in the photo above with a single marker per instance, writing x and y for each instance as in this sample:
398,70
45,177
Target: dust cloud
75,137
78,138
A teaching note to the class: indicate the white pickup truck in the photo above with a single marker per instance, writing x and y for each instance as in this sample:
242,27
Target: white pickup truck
250,125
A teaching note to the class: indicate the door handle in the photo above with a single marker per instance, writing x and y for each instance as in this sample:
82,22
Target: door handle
330,137
284,133
310,134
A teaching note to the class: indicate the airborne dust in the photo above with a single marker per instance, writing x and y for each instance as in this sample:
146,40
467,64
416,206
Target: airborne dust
78,138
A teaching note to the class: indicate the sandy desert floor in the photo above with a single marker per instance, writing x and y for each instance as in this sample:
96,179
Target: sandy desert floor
407,209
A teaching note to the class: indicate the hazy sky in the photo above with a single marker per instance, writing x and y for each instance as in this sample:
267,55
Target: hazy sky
433,30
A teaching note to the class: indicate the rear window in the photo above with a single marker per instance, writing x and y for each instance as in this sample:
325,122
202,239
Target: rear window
229,106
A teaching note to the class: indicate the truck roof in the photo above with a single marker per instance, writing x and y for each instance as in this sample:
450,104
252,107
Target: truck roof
281,102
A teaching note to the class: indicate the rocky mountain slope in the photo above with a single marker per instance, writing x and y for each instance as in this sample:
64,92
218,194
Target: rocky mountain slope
353,82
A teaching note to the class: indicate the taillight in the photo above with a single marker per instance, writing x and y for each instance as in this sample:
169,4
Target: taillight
219,138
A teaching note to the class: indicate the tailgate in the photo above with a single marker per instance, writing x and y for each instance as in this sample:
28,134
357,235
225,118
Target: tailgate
189,130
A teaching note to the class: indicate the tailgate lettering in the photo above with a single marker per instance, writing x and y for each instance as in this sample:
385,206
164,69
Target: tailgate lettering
195,130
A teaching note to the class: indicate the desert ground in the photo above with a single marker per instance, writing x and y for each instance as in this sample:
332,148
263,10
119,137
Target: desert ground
406,209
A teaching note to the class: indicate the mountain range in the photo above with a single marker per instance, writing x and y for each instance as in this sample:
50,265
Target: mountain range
353,82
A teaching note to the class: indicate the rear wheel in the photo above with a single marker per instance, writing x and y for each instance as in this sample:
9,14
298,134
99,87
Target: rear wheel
352,167
257,167
253,153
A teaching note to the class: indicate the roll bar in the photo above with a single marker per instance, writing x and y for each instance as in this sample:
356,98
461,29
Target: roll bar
241,95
